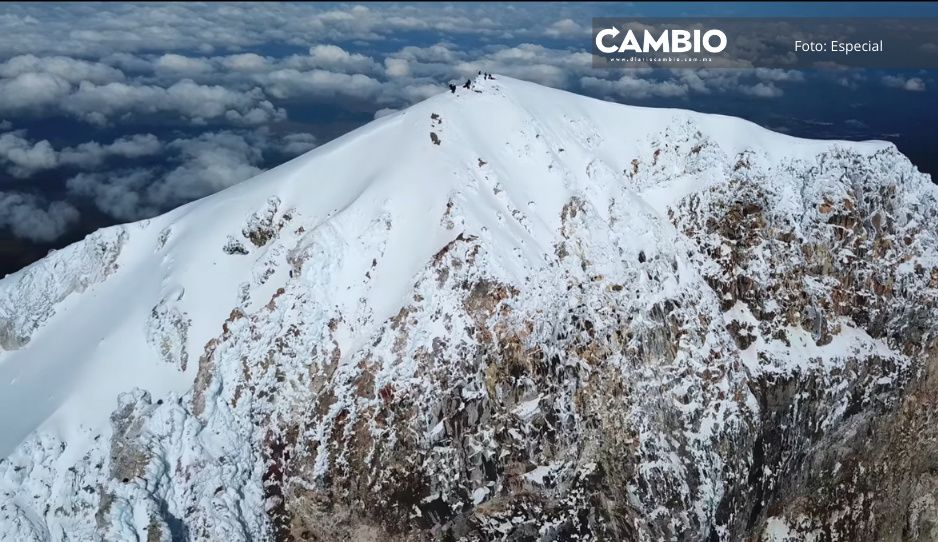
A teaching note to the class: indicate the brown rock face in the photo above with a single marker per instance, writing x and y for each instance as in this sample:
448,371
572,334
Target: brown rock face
771,364
856,264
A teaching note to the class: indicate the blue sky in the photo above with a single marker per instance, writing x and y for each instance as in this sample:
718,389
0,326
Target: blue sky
111,113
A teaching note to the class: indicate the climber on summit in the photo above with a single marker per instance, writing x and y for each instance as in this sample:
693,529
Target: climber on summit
452,88
468,84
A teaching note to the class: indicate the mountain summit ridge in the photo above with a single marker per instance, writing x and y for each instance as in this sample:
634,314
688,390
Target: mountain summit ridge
506,302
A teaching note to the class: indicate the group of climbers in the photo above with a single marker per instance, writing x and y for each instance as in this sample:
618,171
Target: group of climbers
468,84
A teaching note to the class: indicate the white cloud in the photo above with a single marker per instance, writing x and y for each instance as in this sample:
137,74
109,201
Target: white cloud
241,88
99,103
292,83
851,80
435,54
177,27
413,93
550,67
384,112
174,64
912,84
192,168
298,143
53,90
335,58
210,162
22,157
29,217
70,69
778,75
762,90
565,27
135,146
31,91
118,194
630,86
245,62
643,83
92,154
127,62
397,67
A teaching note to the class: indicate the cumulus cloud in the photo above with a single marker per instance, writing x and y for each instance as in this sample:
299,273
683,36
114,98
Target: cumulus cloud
174,64
242,87
778,75
438,54
335,58
643,83
912,84
292,83
565,27
245,62
193,167
69,69
129,64
397,67
119,193
543,65
92,154
630,86
177,27
852,79
29,217
210,162
298,143
762,90
98,104
31,91
199,103
22,157
134,146
189,167
384,112
98,93
329,69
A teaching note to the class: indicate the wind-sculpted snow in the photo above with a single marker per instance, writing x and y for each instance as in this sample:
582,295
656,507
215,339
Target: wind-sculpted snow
558,319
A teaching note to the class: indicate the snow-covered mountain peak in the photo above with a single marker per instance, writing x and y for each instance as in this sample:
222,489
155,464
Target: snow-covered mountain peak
511,281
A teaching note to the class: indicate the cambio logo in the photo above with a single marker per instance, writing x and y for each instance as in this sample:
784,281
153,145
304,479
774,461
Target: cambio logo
668,41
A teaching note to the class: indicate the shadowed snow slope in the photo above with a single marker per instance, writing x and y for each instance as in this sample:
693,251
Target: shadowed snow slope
508,302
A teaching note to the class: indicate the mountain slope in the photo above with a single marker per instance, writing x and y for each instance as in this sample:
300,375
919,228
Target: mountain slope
512,313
